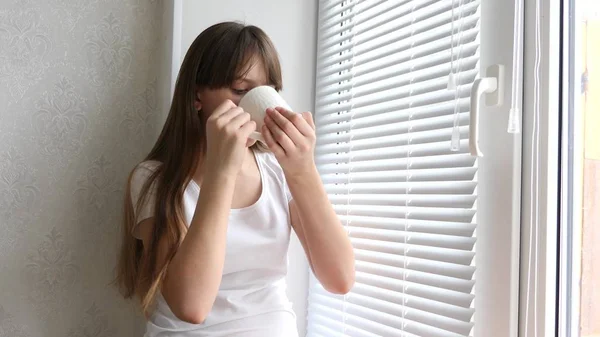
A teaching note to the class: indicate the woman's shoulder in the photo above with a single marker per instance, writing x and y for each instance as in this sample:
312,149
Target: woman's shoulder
142,171
270,162
149,165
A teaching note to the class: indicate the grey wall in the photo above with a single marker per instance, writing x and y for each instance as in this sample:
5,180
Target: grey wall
78,107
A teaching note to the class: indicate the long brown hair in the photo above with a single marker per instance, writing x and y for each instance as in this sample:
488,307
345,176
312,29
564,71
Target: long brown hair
220,55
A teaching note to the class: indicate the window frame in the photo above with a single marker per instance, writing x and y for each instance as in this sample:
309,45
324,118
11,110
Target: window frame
544,297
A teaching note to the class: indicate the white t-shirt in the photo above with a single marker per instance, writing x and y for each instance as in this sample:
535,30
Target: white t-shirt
252,300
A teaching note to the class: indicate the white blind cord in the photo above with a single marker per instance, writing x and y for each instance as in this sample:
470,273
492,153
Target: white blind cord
451,81
407,201
535,173
349,180
454,78
515,112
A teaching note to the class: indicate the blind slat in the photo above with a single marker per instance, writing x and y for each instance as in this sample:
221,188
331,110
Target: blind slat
403,100
410,249
397,310
429,53
463,314
428,88
334,318
445,174
423,213
451,242
413,16
413,163
397,323
421,137
436,287
379,71
463,201
369,132
331,9
418,150
366,86
370,52
368,117
412,225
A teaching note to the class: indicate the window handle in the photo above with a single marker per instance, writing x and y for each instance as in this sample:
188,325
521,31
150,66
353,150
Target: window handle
493,87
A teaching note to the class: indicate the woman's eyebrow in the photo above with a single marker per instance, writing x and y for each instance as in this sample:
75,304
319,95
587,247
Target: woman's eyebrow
248,81
243,81
254,83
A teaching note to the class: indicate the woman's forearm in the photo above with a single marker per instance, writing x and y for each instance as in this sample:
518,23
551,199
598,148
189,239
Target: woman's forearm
329,247
194,275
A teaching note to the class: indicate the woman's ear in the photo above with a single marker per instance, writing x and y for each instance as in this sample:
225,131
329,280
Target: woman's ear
198,101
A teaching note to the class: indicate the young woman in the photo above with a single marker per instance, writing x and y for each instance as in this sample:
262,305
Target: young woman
208,213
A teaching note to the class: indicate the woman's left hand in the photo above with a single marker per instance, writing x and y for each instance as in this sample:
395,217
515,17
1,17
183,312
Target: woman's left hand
291,137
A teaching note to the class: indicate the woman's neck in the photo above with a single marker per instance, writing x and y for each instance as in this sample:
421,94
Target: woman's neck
247,167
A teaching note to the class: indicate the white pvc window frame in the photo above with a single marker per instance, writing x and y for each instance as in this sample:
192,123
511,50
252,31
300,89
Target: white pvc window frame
543,297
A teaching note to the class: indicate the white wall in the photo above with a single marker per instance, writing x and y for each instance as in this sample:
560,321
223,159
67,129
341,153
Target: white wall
291,24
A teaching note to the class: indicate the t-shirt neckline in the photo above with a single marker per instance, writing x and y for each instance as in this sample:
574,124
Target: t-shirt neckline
263,183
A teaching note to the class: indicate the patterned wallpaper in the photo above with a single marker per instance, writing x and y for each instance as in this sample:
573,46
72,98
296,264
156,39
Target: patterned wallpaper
78,108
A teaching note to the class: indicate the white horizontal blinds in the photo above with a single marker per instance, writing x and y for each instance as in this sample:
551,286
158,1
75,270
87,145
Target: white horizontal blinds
385,118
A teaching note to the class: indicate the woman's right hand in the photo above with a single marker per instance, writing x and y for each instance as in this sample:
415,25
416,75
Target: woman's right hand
227,132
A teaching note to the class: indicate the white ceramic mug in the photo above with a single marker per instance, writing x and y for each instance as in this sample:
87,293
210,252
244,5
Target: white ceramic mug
257,101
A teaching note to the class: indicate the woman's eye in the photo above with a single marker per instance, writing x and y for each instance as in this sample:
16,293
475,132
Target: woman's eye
239,91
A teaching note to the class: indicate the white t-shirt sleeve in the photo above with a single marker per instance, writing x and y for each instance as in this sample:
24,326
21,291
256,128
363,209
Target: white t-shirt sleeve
140,176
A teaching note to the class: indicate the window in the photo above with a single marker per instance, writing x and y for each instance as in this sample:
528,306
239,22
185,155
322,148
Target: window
580,222
385,119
